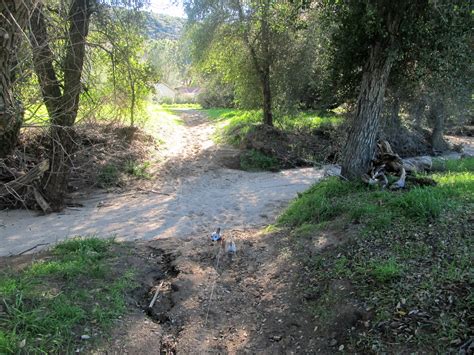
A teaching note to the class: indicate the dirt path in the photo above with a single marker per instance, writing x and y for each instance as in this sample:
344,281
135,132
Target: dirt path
212,303
193,193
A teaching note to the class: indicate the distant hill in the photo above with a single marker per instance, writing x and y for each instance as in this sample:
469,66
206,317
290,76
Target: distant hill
163,26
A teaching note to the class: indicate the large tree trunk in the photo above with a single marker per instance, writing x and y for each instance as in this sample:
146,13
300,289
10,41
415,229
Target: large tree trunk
360,145
437,116
13,20
62,107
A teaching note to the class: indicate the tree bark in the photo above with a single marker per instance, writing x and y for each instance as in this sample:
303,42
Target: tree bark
360,144
437,116
62,106
265,67
13,19
267,98
261,65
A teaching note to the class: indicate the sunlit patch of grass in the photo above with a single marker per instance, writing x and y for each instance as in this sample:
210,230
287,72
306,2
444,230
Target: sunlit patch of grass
163,115
181,106
234,124
137,169
377,209
51,303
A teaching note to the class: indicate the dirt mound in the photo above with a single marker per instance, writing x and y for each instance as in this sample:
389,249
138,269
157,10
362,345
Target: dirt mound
408,142
296,149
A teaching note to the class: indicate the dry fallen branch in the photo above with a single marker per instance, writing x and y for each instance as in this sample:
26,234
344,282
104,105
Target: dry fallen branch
152,303
12,187
387,162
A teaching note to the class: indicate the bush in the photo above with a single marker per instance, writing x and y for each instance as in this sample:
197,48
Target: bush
108,176
216,95
254,160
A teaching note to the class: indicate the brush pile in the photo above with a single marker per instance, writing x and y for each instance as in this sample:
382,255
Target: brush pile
96,145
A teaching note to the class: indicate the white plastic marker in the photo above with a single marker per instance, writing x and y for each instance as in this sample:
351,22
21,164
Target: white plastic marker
215,236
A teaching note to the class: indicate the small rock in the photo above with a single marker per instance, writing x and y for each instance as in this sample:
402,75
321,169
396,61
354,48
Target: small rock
333,342
341,348
85,337
276,337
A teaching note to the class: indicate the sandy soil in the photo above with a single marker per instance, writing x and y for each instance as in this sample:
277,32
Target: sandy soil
193,194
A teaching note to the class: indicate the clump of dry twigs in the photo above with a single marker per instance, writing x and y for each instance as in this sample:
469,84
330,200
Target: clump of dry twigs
96,145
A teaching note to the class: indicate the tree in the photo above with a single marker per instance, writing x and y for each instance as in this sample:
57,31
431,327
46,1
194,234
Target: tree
403,45
14,15
61,84
257,26
61,100
127,69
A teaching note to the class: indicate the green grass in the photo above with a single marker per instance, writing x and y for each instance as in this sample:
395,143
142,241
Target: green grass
181,106
377,209
253,160
234,124
108,176
50,304
408,251
139,170
462,165
162,116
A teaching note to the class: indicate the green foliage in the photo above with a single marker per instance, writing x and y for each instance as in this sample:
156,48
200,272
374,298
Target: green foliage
254,160
418,260
378,210
122,76
162,26
462,165
138,170
234,124
241,48
109,176
385,271
171,59
51,303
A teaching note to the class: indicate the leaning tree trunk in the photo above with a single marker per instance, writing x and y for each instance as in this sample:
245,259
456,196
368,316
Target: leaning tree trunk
13,20
360,145
62,106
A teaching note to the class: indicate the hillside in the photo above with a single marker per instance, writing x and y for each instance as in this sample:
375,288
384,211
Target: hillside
161,26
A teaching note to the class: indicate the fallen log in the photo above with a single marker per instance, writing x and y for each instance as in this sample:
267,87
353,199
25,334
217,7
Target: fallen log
13,187
387,162
417,164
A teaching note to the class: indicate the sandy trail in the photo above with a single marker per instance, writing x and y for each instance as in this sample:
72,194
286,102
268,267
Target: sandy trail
193,193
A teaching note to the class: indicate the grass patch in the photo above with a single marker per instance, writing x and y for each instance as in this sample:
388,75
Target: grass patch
461,165
181,106
409,266
234,124
377,209
108,176
138,170
49,305
253,160
112,174
162,117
